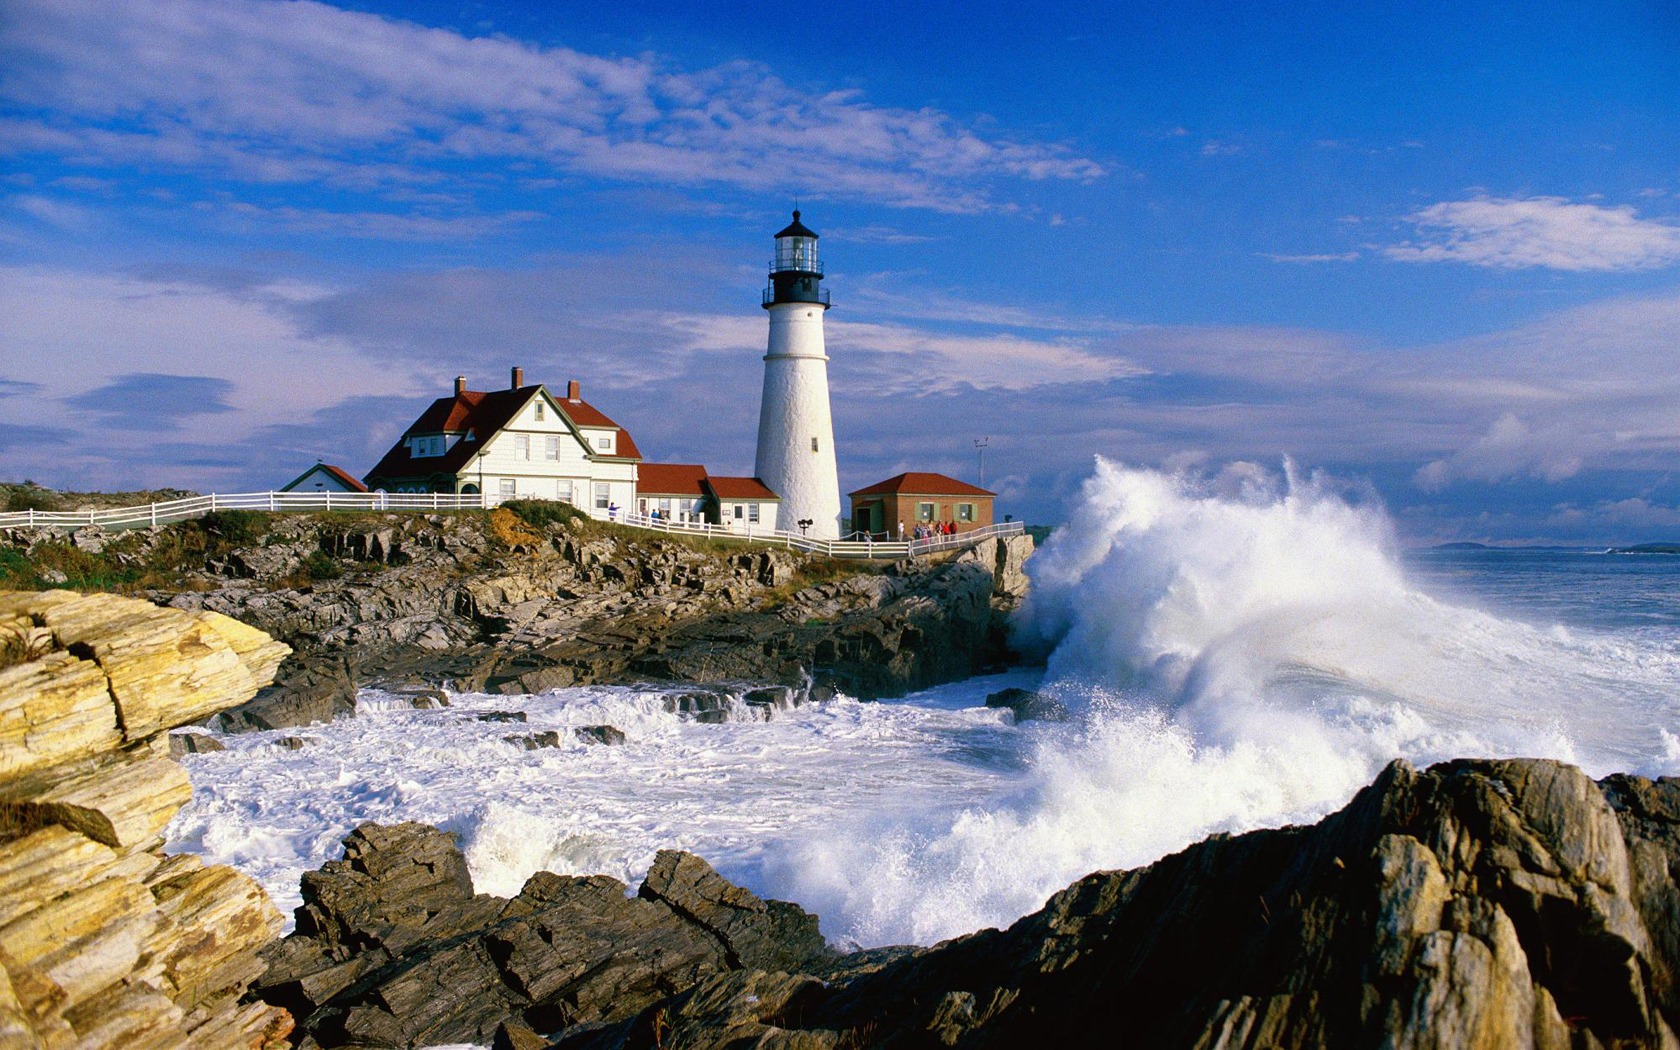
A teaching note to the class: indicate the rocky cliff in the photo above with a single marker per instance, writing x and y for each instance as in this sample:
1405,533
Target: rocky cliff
104,940
1476,904
500,603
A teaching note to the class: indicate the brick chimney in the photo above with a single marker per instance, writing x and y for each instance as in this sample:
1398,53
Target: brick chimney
518,377
574,390
460,385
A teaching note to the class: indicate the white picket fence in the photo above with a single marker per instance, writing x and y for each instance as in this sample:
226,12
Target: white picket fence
155,514
866,547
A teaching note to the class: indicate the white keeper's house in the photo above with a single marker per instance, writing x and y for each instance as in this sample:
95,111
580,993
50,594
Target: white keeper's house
518,443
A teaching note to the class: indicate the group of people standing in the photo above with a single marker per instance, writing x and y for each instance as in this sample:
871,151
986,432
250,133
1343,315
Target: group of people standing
926,530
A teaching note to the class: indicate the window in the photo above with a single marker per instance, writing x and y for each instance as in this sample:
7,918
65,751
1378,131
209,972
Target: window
603,442
965,512
426,446
602,496
813,444
563,490
539,411
752,513
924,512
551,447
522,446
665,508
507,487
738,512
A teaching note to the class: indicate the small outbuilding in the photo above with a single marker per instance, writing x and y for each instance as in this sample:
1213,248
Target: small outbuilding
324,477
672,491
745,505
918,498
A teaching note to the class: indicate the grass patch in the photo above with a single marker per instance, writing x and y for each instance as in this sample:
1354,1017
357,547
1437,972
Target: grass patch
53,564
542,513
235,528
31,497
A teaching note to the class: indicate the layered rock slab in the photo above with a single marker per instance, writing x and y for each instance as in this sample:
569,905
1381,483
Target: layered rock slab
104,940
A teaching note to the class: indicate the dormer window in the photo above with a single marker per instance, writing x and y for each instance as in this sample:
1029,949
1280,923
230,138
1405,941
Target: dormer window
424,447
603,442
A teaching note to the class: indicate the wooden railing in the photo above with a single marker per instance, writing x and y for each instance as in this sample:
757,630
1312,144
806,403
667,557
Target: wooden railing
155,514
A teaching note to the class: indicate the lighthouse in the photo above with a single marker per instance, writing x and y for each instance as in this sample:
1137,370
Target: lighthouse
795,429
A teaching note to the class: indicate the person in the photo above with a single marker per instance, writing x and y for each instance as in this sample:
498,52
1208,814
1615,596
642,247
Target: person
612,512
901,528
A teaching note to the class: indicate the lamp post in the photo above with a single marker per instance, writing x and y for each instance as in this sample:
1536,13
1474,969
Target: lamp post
805,523
980,450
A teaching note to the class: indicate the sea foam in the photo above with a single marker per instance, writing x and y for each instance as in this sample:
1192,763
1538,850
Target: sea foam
1244,650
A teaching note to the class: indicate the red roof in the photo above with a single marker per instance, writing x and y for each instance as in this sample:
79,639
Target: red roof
479,415
740,488
343,478
920,483
670,479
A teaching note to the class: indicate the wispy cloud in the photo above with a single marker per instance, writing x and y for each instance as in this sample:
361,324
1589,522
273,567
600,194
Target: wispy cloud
390,226
288,91
1545,232
877,235
1323,257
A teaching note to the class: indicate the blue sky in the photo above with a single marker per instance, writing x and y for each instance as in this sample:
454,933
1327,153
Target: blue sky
1430,249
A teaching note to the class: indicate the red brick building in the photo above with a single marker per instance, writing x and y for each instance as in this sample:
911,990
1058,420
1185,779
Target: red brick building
915,498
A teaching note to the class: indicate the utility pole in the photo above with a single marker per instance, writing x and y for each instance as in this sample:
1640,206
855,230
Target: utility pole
980,450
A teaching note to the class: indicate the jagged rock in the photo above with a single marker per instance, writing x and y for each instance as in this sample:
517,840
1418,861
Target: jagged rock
105,942
610,735
502,716
1477,904
193,744
511,1035
532,741
309,691
1028,705
754,933
392,948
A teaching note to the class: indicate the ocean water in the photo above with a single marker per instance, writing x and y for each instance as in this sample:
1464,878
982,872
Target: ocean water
1238,650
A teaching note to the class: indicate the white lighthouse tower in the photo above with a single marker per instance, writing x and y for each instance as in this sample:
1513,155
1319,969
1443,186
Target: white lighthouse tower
795,430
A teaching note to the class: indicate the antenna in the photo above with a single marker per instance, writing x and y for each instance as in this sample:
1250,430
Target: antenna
980,450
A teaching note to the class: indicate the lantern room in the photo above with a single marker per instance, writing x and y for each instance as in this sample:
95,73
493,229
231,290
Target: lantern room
795,272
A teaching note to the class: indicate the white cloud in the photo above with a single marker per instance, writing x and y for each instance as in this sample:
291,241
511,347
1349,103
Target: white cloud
291,91
919,361
1548,232
1508,449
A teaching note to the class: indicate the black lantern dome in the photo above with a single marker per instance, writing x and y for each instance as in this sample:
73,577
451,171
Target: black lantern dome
795,272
